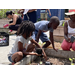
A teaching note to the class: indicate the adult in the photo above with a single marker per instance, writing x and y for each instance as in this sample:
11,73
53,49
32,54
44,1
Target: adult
69,31
29,14
16,20
44,12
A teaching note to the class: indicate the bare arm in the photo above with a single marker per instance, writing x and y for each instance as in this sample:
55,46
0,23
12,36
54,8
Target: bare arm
48,11
14,20
66,32
21,11
33,41
20,47
52,40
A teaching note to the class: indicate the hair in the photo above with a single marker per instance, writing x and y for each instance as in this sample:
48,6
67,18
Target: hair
54,19
9,12
26,27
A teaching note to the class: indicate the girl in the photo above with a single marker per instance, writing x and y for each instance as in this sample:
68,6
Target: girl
16,20
21,47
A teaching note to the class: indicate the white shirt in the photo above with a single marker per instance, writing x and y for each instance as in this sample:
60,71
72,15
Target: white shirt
22,40
26,11
71,31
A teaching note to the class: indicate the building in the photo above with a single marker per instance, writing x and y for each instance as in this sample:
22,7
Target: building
55,12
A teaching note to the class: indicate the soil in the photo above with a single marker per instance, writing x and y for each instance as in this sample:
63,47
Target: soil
57,46
52,60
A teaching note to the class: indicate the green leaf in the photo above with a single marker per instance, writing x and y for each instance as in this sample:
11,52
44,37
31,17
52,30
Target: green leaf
72,63
70,59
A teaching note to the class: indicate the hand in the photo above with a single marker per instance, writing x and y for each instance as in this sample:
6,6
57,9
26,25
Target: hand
6,25
45,57
68,40
55,49
37,54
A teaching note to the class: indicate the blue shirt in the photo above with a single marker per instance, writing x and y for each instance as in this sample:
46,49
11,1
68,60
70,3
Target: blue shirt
42,25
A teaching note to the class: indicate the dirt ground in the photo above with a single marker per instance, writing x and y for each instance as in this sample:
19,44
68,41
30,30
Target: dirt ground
52,60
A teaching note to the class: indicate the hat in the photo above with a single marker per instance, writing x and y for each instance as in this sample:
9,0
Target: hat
71,12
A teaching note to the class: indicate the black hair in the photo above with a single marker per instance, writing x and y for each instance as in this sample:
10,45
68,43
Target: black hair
9,12
54,19
26,27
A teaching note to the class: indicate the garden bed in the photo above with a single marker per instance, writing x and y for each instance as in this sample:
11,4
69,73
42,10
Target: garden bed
52,60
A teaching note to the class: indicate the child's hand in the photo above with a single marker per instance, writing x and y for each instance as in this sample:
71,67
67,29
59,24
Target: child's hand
55,49
37,54
45,57
6,25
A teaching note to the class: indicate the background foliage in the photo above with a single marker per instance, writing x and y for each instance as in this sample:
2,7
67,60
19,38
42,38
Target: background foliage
3,12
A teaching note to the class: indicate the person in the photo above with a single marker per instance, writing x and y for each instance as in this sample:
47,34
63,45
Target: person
44,26
44,13
16,21
29,14
69,31
21,11
21,46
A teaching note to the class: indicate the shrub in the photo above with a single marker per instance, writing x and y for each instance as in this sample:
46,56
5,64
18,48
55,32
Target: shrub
3,12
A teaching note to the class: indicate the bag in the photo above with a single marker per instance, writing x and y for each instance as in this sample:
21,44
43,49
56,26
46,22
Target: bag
4,39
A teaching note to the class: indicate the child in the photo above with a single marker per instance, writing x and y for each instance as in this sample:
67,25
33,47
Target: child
44,13
44,26
21,47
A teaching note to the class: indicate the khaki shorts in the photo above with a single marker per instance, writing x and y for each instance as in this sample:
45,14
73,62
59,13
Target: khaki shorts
44,15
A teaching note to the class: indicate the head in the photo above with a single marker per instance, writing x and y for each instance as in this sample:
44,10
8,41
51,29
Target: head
26,28
72,17
54,22
9,14
71,14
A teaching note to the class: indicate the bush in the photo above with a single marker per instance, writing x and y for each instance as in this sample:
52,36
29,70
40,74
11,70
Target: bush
3,12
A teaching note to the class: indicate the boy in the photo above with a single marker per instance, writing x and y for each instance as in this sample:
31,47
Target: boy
44,26
44,12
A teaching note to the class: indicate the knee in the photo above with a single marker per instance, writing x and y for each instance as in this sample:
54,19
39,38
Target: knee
65,45
17,56
20,54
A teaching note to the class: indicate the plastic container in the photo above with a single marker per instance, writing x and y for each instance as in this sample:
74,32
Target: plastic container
4,39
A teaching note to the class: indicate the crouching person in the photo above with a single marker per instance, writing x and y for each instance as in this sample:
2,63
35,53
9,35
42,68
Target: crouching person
21,47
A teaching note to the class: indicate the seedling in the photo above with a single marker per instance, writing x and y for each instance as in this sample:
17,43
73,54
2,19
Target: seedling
72,60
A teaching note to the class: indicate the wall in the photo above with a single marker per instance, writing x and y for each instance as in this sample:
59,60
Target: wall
54,12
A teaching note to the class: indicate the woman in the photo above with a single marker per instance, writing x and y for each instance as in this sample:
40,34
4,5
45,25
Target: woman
29,14
16,20
69,31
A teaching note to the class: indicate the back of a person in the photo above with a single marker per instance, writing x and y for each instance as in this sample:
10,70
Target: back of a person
38,24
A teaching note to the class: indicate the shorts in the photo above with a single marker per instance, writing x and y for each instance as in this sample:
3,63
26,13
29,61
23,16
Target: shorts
10,58
44,15
43,36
